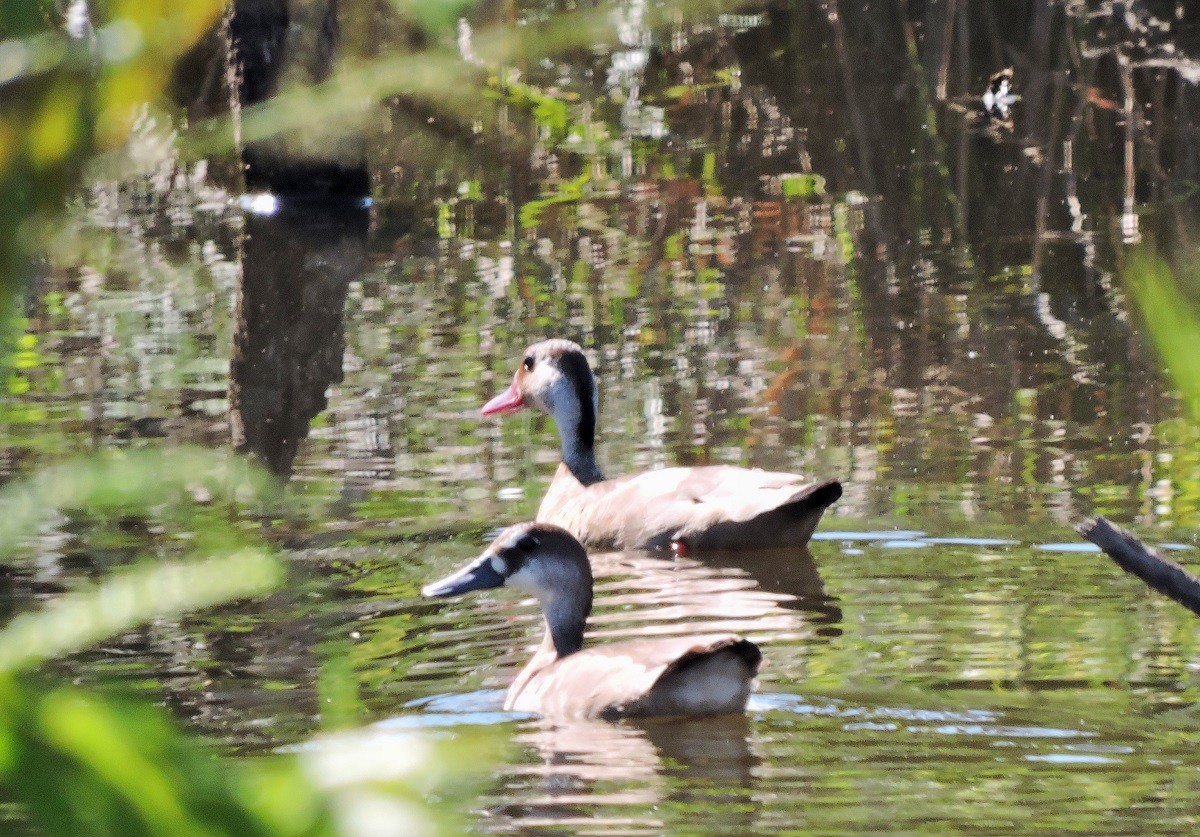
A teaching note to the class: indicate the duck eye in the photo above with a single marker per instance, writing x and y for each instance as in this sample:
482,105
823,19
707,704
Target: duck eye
527,544
528,364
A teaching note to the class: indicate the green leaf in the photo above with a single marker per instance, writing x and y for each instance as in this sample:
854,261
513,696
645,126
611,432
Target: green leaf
90,732
18,385
437,17
802,186
80,619
125,480
1172,319
82,764
337,688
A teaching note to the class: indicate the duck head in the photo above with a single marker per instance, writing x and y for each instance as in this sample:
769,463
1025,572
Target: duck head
555,377
541,560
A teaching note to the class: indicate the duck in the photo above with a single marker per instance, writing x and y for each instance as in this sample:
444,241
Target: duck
686,509
709,674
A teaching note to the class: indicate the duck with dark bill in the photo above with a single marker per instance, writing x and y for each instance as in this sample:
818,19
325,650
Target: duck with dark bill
698,675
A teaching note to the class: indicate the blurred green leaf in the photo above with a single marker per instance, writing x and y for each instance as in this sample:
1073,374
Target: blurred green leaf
802,186
87,765
18,385
437,17
105,767
550,113
337,688
64,95
124,480
80,619
1173,319
570,191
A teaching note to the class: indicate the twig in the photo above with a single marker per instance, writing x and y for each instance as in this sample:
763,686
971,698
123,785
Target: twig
1135,558
947,44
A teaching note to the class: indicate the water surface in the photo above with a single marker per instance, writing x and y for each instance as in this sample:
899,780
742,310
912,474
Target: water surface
787,254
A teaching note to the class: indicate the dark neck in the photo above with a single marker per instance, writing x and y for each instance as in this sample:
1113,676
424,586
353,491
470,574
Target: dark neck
576,420
577,432
581,460
564,642
564,624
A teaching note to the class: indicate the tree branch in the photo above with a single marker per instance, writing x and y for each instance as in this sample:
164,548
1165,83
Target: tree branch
1135,558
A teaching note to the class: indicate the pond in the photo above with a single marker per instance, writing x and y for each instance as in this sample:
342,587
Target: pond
787,238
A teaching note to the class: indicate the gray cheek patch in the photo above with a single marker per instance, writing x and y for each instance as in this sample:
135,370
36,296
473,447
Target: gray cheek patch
499,565
527,581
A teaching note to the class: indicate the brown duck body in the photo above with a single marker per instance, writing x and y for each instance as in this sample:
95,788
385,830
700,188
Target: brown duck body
706,508
701,675
709,507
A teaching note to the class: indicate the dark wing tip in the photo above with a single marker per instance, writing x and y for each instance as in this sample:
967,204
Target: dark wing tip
818,496
749,653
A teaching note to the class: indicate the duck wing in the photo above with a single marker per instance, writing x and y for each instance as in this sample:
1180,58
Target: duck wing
711,507
702,675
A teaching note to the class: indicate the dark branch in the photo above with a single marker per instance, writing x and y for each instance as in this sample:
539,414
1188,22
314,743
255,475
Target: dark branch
1131,555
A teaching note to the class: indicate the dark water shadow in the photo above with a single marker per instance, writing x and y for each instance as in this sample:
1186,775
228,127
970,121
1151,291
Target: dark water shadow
717,748
260,48
789,571
307,223
297,265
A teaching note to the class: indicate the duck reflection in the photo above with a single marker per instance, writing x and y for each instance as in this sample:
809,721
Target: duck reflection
602,776
771,590
789,573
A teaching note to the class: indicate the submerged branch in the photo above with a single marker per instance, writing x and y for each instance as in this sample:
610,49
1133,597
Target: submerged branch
1135,558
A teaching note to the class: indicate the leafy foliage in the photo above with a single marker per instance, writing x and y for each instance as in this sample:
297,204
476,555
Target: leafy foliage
70,90
86,765
81,763
68,624
127,482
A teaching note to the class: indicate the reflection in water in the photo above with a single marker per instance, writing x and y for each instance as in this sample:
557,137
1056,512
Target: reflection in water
764,592
298,259
277,44
791,572
305,234
261,48
769,596
603,777
297,264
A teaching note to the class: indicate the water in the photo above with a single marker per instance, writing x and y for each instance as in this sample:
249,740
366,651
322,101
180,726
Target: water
942,325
